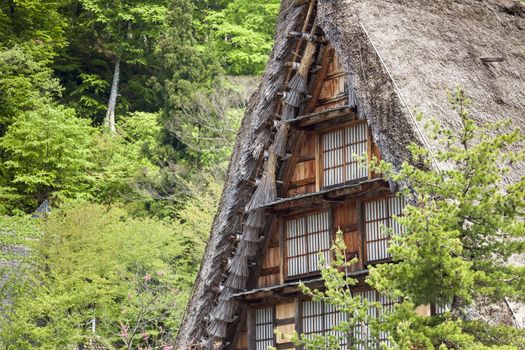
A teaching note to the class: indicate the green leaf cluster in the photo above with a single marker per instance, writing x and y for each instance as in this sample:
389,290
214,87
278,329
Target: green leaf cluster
94,263
461,228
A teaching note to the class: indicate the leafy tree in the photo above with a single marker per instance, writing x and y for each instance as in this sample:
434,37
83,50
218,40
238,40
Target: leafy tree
118,37
132,276
46,156
462,225
25,83
35,24
243,32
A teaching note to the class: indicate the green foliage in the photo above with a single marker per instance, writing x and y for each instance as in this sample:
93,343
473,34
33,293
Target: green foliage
16,232
338,293
461,226
132,275
465,222
47,154
36,24
177,119
243,32
25,82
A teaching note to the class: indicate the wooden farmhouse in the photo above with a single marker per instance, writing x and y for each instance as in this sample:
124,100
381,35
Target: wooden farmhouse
343,84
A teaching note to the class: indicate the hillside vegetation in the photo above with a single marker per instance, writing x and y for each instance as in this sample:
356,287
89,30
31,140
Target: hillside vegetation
122,114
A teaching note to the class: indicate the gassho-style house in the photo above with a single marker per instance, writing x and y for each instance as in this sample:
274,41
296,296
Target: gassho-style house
342,83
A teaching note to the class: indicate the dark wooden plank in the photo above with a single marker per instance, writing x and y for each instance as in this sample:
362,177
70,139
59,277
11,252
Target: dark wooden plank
361,231
332,99
305,158
299,138
320,78
269,271
282,251
251,328
285,321
302,182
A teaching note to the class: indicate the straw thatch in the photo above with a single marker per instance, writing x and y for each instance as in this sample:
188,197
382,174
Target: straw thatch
399,55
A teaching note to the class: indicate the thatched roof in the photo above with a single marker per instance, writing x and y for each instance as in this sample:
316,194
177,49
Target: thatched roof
400,55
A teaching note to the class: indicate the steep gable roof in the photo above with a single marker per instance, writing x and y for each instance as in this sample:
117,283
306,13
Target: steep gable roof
399,55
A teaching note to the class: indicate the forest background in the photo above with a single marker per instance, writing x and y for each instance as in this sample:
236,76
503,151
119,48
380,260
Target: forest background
122,115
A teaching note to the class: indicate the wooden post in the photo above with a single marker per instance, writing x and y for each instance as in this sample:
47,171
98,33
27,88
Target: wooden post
361,233
282,251
251,328
318,160
298,315
369,151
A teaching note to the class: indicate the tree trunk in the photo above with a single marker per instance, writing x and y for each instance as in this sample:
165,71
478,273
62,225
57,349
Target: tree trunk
110,115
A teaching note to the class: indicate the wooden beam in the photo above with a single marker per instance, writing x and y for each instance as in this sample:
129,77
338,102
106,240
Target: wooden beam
302,182
305,158
282,252
492,59
330,194
335,75
361,233
329,114
369,151
318,160
269,271
251,328
299,139
298,3
333,99
320,78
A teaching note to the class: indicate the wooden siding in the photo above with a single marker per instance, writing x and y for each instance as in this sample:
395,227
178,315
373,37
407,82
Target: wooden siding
285,321
304,175
334,88
242,341
345,218
270,272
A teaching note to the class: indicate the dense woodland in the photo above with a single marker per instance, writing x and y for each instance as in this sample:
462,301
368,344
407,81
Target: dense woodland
121,114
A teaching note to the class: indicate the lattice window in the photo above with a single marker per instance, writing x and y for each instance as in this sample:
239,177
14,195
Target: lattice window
306,237
441,309
341,150
320,318
362,331
264,326
378,215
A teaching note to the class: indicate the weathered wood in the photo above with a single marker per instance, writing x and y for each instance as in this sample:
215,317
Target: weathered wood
269,271
361,231
282,252
314,118
333,99
299,139
302,182
320,78
318,160
251,327
491,59
333,193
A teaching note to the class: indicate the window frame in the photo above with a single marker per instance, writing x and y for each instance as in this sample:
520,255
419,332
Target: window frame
388,219
376,312
321,152
286,257
323,316
252,326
